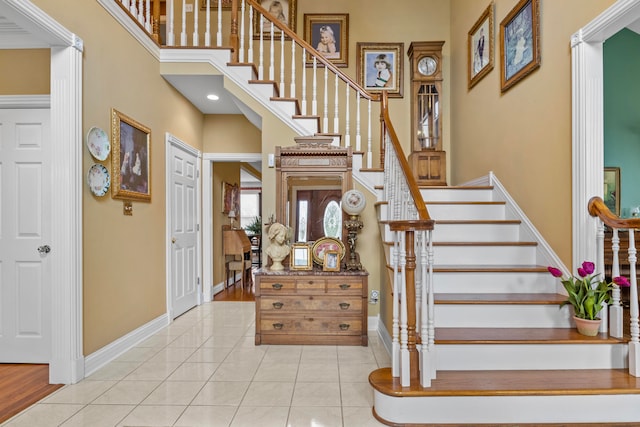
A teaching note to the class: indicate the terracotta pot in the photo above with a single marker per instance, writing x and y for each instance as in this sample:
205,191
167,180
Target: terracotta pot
587,327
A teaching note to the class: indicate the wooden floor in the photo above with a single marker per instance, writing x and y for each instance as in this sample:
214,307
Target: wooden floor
235,292
22,385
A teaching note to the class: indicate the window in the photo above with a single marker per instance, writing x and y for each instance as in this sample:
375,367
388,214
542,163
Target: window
249,206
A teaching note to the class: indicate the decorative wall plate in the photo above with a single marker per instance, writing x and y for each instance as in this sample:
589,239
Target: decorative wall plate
98,179
98,143
326,244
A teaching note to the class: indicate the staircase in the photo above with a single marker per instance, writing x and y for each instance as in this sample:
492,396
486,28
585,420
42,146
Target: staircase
505,351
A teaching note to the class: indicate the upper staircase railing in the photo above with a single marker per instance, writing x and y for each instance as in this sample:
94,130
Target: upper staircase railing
343,109
605,217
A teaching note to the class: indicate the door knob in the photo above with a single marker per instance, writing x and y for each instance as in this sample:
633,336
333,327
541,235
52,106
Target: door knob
45,249
173,240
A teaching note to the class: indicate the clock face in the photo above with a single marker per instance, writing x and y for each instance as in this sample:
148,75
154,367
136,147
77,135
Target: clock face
427,65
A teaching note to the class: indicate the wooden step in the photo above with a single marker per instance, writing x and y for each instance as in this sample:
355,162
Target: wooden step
496,299
520,336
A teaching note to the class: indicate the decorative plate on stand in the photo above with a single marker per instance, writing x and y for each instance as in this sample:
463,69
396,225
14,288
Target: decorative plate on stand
98,143
98,179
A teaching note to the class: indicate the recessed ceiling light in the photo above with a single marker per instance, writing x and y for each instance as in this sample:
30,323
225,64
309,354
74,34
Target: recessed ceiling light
213,97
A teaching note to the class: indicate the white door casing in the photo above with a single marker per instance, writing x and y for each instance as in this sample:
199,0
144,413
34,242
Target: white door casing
183,219
25,235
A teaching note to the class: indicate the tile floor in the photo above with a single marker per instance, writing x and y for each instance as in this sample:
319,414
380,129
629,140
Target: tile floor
204,370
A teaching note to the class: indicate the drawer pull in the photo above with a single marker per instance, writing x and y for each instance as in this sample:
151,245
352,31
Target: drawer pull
277,286
277,305
345,286
344,326
277,326
344,305
310,282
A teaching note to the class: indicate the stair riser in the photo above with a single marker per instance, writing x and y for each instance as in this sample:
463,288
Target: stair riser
501,316
466,212
311,125
469,357
456,195
484,255
264,90
476,233
473,282
528,409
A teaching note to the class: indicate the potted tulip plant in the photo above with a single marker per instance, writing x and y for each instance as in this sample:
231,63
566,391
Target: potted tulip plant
587,294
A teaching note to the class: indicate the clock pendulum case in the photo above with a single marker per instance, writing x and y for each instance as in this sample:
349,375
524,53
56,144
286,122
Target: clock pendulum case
427,159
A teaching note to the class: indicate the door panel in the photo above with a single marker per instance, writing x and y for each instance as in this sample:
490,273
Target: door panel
25,197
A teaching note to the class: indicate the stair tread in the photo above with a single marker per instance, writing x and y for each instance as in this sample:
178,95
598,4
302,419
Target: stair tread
468,268
464,202
512,383
456,187
477,221
510,298
515,243
520,336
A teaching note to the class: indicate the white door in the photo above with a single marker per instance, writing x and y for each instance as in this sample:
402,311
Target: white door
183,167
25,230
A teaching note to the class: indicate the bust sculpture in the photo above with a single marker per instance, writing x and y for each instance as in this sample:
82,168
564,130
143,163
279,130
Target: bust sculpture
277,250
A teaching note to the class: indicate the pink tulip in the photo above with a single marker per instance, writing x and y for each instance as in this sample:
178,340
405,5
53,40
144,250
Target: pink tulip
621,281
554,272
582,272
588,267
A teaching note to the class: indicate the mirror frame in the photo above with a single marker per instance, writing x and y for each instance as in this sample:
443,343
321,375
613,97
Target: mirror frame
311,157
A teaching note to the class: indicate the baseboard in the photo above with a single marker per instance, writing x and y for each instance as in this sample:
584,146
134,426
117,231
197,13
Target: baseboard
110,352
384,336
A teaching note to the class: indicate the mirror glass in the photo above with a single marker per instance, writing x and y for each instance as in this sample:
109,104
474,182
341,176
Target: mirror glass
314,207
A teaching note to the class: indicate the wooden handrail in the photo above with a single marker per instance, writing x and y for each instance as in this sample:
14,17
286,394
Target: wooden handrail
414,190
597,208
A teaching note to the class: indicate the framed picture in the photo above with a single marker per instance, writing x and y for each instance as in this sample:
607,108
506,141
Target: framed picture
480,47
230,198
519,43
213,4
282,10
130,158
321,246
379,67
612,189
328,35
300,257
331,261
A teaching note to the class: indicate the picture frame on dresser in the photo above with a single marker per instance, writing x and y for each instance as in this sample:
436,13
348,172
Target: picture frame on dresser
331,261
301,257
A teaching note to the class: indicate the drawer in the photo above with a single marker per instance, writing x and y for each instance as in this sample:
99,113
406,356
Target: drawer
344,285
271,286
311,284
311,325
348,304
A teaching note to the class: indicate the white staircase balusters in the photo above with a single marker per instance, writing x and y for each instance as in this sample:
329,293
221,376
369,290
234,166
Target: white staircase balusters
292,88
242,31
271,52
171,40
303,104
219,30
183,33
369,153
261,50
147,22
634,343
336,110
196,34
358,135
395,326
325,110
132,8
347,122
405,367
250,36
282,86
314,88
615,309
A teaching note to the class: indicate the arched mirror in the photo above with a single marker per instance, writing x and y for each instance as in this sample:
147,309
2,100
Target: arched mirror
311,178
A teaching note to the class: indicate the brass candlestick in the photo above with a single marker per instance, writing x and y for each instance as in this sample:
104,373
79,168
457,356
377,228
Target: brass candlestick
353,226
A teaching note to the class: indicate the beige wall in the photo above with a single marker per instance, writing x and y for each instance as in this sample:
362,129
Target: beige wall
25,72
523,135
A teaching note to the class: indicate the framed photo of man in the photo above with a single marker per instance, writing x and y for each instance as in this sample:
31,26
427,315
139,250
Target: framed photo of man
480,47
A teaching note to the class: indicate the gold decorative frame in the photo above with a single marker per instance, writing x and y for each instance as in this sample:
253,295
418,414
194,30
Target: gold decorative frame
368,54
331,261
337,25
213,5
288,12
230,198
321,246
480,47
519,43
300,257
612,189
130,158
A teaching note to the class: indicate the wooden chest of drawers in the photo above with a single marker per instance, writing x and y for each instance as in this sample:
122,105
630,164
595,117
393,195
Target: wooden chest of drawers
311,307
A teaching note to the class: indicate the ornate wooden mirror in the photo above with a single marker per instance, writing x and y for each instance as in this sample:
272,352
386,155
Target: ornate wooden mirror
311,178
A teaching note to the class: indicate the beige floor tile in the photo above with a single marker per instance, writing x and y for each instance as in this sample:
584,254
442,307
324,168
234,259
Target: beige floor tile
269,394
174,393
318,372
193,372
152,371
82,392
359,417
153,416
316,394
172,354
235,372
127,393
356,394
207,416
356,372
210,354
301,416
138,354
276,372
320,353
99,416
114,371
248,416
247,355
353,354
44,415
223,342
219,393
283,354
157,341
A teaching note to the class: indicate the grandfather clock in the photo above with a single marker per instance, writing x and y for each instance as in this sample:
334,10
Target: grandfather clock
427,159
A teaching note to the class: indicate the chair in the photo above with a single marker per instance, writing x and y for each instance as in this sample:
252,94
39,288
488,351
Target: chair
233,265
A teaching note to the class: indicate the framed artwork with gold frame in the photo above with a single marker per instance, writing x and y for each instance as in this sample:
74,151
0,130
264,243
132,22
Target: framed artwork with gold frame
331,261
480,47
301,257
612,189
379,67
284,11
328,33
519,43
130,158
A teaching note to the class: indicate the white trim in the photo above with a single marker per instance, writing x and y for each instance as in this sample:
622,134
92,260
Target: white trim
173,141
25,101
385,338
588,121
232,157
110,352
